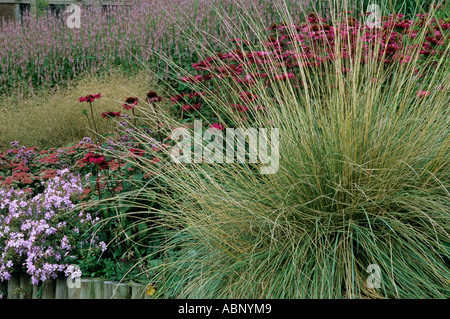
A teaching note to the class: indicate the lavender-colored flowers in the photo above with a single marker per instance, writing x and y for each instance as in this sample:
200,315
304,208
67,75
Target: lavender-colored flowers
86,140
14,144
41,234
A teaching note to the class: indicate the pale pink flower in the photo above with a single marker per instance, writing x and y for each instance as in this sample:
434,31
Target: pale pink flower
423,93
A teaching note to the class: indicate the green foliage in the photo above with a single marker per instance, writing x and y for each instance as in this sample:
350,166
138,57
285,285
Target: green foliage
363,180
42,7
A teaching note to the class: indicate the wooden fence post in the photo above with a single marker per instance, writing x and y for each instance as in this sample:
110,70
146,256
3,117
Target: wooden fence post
26,289
99,288
137,291
13,288
34,293
87,288
62,290
17,12
108,287
73,292
48,289
121,291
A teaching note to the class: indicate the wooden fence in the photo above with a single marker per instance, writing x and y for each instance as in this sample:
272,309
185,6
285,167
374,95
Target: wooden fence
12,9
61,288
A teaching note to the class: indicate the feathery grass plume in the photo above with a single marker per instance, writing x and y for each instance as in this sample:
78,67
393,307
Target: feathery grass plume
363,178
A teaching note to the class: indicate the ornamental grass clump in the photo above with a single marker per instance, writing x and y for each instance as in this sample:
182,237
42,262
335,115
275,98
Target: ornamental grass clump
359,204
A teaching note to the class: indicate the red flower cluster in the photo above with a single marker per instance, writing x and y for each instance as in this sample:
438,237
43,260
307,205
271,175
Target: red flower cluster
239,107
136,151
97,159
90,98
310,44
217,126
15,172
187,107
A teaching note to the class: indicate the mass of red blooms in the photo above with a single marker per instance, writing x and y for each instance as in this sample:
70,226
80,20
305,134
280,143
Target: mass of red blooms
310,44
32,172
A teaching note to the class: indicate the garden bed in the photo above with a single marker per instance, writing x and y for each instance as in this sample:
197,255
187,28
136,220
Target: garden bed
358,190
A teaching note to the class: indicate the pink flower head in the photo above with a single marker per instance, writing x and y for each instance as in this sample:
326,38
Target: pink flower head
87,157
247,96
239,107
217,126
90,98
177,97
93,158
130,103
192,79
423,93
153,97
136,151
111,114
97,159
284,76
191,107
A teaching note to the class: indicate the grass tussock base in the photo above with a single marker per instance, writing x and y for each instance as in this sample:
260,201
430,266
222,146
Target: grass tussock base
369,189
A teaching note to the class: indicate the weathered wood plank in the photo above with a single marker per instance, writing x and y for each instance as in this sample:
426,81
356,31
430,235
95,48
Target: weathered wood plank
62,290
48,289
35,292
99,288
121,291
26,289
87,288
137,291
108,289
13,288
73,291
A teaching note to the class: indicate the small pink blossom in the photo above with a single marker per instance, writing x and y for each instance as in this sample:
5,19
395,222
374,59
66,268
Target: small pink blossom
217,126
284,76
239,107
423,93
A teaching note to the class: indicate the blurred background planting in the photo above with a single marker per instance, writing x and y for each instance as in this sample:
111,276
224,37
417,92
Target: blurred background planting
39,51
42,52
